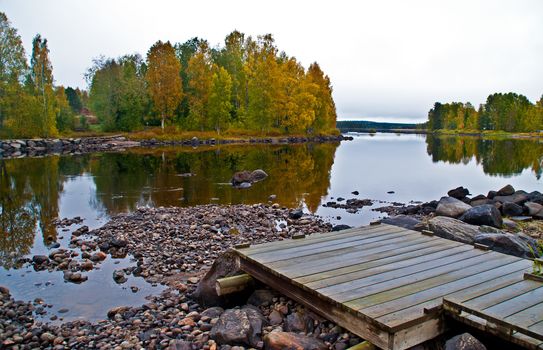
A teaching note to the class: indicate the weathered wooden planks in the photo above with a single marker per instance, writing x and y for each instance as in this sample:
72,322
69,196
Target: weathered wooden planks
388,284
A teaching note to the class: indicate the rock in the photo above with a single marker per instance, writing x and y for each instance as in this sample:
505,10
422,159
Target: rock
39,259
287,340
533,208
298,322
451,207
226,265
117,310
453,229
492,194
74,277
486,214
458,193
241,177
80,231
341,227
275,318
119,242
356,193
507,243
178,344
258,175
511,209
295,214
507,190
510,224
261,297
244,185
480,201
212,312
519,197
98,256
238,326
119,277
404,221
464,342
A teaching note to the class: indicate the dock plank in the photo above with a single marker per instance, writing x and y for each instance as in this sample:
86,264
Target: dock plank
499,296
517,303
423,256
427,247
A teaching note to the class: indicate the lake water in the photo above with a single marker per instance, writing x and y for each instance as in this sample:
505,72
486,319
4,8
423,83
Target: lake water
34,191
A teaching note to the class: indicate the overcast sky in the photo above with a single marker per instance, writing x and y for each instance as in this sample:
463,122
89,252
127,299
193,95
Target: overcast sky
388,60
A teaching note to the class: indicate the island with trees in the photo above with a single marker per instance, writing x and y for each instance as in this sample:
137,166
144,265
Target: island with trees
246,86
502,112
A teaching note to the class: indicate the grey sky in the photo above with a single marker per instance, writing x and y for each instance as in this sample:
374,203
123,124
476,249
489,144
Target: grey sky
388,60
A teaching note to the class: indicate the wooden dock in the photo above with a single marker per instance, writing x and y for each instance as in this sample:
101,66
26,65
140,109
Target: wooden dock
396,288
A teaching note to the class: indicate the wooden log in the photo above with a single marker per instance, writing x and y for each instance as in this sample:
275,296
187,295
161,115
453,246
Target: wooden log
365,345
229,285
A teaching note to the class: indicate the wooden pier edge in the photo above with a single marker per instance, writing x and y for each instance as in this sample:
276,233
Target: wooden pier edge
379,335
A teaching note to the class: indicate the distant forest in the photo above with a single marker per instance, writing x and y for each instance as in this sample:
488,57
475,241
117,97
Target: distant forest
508,112
353,125
246,84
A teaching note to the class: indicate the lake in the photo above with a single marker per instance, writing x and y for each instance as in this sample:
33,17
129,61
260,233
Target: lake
34,191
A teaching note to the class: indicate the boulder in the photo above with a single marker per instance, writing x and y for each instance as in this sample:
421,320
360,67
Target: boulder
287,340
212,312
226,265
508,243
239,326
178,344
492,194
519,197
451,207
299,322
119,276
464,342
295,214
258,175
453,229
507,190
458,193
533,208
340,227
241,177
39,259
511,209
486,214
404,221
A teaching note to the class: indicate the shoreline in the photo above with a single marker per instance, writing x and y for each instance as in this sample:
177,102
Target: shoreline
17,148
490,135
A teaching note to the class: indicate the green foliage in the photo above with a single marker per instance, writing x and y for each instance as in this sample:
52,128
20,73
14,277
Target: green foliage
74,99
508,112
118,93
220,105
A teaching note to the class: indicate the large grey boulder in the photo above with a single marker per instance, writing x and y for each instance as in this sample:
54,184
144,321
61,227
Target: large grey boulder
451,207
507,190
511,209
258,175
239,326
533,208
464,342
453,229
486,214
507,243
226,265
404,221
519,197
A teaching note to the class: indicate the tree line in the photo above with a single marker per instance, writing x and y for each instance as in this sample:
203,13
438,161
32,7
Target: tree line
30,103
508,112
245,84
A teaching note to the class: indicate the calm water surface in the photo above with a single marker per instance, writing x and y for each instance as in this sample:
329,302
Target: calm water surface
34,191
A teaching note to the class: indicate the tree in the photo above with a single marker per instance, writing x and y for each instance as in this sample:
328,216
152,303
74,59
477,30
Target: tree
163,80
219,99
325,108
63,111
41,75
13,68
74,99
199,74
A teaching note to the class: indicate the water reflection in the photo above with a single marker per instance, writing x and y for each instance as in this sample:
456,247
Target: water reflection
34,191
497,157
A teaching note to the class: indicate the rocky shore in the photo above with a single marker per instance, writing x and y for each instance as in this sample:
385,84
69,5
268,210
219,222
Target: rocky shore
176,247
38,147
506,220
